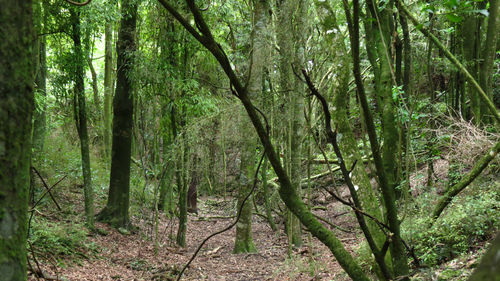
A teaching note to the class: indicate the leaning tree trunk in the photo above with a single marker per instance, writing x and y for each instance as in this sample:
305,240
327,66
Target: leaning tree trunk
116,210
398,253
287,193
81,118
348,143
16,107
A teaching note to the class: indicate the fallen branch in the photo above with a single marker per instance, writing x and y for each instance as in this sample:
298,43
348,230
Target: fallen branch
47,189
333,225
465,181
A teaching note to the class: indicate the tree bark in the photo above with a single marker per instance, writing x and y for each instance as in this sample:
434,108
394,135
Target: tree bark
489,50
108,88
16,108
116,210
80,112
244,241
39,115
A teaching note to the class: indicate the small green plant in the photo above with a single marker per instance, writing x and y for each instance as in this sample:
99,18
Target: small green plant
58,238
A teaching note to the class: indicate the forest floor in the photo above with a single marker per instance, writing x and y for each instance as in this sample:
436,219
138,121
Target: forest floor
132,257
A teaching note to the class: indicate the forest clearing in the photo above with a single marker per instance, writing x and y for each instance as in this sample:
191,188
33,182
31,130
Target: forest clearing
250,140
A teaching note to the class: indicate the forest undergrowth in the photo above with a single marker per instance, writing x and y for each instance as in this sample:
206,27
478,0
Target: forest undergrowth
62,248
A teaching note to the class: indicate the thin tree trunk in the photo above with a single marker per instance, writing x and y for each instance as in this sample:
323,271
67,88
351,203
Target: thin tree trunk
81,118
108,88
398,254
39,115
182,187
489,50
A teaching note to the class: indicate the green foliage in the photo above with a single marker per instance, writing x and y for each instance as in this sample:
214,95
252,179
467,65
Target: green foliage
467,221
59,239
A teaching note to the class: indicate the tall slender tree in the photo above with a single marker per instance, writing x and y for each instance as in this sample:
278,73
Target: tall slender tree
80,113
489,50
244,240
39,115
116,211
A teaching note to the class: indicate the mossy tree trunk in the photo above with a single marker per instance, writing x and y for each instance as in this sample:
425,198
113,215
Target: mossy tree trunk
80,112
16,108
108,88
398,253
347,142
116,211
39,115
382,30
168,127
290,197
289,35
244,241
488,59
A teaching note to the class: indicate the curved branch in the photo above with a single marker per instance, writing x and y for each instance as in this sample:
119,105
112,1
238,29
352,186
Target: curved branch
79,4
465,181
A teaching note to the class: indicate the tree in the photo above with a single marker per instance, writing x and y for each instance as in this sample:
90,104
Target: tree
80,113
286,191
244,240
116,210
16,108
108,88
488,59
290,39
39,118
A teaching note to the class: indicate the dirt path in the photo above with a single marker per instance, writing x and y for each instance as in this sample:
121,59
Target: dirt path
132,257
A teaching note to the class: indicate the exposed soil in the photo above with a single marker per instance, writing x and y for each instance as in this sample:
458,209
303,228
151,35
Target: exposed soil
132,257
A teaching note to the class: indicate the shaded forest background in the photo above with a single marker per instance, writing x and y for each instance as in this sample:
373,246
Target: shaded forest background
356,139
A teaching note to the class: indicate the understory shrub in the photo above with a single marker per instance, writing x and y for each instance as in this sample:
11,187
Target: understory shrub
469,219
58,238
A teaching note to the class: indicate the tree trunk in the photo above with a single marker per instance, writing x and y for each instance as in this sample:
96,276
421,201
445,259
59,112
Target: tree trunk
192,193
16,108
489,50
39,115
244,242
286,35
398,254
116,211
108,88
182,187
80,112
